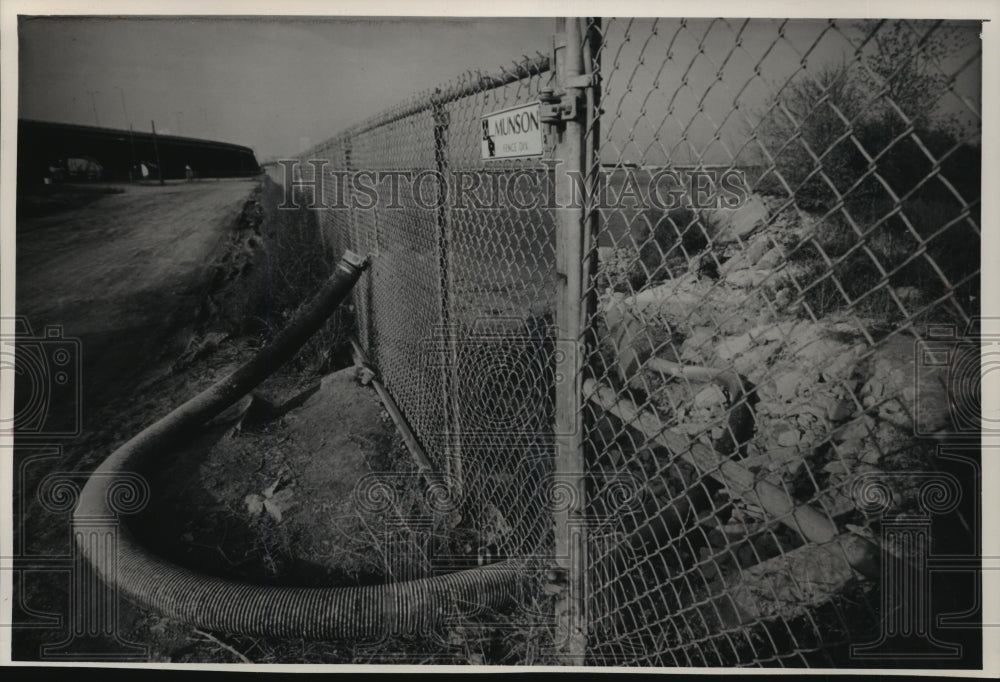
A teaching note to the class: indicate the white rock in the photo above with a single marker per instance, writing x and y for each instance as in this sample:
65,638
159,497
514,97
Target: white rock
836,467
890,407
842,364
836,503
737,262
854,430
871,456
815,411
873,388
782,298
778,331
747,278
728,225
710,396
788,438
698,344
755,362
758,247
771,259
787,385
731,346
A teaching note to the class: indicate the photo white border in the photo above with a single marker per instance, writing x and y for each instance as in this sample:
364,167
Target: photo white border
927,9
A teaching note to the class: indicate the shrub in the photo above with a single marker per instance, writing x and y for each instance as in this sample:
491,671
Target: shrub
813,130
804,124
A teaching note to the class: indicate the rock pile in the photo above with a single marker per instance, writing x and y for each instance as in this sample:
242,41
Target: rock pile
832,405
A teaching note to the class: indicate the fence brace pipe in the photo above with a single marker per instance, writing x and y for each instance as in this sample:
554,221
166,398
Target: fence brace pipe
415,606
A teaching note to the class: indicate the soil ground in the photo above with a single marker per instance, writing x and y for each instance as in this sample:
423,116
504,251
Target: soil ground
124,274
143,276
280,499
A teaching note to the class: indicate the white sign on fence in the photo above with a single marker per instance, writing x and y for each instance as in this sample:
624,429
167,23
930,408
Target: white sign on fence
514,133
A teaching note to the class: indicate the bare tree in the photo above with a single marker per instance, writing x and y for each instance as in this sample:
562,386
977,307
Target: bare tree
904,61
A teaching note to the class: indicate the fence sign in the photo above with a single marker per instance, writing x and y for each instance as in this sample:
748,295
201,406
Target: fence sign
514,133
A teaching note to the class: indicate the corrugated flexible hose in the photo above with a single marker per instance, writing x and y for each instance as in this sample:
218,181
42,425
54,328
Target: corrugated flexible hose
213,603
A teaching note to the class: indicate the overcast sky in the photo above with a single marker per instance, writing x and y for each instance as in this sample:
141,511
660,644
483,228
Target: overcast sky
263,83
281,85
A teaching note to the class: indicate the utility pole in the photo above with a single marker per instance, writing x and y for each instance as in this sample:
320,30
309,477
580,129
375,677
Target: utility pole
156,149
131,144
131,135
93,103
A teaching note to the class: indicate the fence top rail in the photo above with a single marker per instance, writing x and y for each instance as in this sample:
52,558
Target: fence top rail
468,85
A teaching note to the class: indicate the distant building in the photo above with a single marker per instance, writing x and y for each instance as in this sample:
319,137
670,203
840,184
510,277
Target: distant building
50,152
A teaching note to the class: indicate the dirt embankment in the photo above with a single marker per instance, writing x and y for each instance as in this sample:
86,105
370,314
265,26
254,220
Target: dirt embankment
168,289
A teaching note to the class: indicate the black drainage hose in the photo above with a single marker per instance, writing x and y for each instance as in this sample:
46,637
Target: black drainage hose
214,603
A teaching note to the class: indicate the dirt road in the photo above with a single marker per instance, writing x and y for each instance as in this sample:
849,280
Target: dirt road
124,273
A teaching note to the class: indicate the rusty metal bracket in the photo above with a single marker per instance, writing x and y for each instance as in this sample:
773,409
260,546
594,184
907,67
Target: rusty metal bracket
583,81
557,109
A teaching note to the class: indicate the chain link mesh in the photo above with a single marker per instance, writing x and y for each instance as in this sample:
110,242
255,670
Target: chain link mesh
757,367
456,313
501,296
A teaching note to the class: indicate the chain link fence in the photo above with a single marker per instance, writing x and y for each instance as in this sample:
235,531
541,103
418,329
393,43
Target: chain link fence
781,289
756,359
456,313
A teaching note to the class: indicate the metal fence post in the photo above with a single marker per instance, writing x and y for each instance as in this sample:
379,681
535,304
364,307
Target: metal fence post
449,371
570,532
592,46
